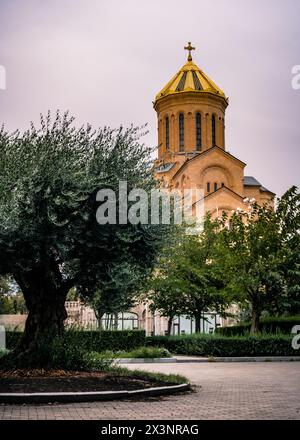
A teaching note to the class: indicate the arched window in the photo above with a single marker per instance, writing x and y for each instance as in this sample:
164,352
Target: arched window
198,132
181,132
167,133
208,187
213,130
215,186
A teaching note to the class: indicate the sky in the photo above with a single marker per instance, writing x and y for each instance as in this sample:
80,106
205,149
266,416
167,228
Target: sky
105,60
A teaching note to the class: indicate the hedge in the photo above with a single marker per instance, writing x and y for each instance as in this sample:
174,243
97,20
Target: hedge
94,340
219,346
198,345
272,325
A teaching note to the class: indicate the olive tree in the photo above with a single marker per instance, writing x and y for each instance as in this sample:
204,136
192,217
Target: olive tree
50,240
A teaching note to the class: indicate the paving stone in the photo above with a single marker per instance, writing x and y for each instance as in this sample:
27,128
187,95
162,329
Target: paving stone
221,391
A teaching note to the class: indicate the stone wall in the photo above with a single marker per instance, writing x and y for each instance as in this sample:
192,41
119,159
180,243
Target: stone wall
13,322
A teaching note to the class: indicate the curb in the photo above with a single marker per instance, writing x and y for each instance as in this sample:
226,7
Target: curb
190,360
145,360
241,359
91,396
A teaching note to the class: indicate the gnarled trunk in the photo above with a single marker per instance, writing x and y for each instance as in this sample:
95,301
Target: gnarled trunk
46,316
45,294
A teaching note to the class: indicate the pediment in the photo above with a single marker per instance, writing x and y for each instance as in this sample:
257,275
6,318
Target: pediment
215,153
224,195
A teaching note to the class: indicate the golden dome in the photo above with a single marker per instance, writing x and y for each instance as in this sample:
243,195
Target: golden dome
190,78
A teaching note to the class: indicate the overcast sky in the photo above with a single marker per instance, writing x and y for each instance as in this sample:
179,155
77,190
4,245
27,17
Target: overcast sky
106,60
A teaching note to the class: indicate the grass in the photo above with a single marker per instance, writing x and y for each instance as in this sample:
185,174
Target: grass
104,362
172,379
100,362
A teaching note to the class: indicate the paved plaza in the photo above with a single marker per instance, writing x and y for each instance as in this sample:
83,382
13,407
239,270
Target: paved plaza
265,390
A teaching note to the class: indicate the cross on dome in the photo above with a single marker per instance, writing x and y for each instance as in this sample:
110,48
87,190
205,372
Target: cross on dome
189,47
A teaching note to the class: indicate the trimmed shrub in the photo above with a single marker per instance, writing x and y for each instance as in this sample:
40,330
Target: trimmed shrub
219,346
94,340
270,325
146,352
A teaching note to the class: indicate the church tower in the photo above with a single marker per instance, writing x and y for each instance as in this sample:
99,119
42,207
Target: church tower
191,142
190,112
191,154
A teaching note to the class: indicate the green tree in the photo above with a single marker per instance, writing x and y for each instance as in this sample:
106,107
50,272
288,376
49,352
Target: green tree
165,296
72,295
11,299
117,296
18,304
50,240
261,255
286,286
4,286
187,280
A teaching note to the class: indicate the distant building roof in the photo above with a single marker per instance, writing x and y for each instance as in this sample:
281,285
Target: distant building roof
165,167
251,181
263,189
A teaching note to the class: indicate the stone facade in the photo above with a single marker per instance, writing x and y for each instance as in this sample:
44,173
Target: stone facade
139,317
13,322
191,143
80,315
192,155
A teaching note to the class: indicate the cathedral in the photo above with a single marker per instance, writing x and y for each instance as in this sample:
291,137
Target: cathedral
191,143
191,154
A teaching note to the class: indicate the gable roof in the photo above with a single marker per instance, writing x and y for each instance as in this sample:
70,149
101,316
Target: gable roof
221,188
205,152
251,181
165,167
263,189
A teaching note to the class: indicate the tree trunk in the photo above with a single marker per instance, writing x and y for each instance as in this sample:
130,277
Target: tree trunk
255,320
45,295
45,317
115,321
99,316
197,322
99,320
170,321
